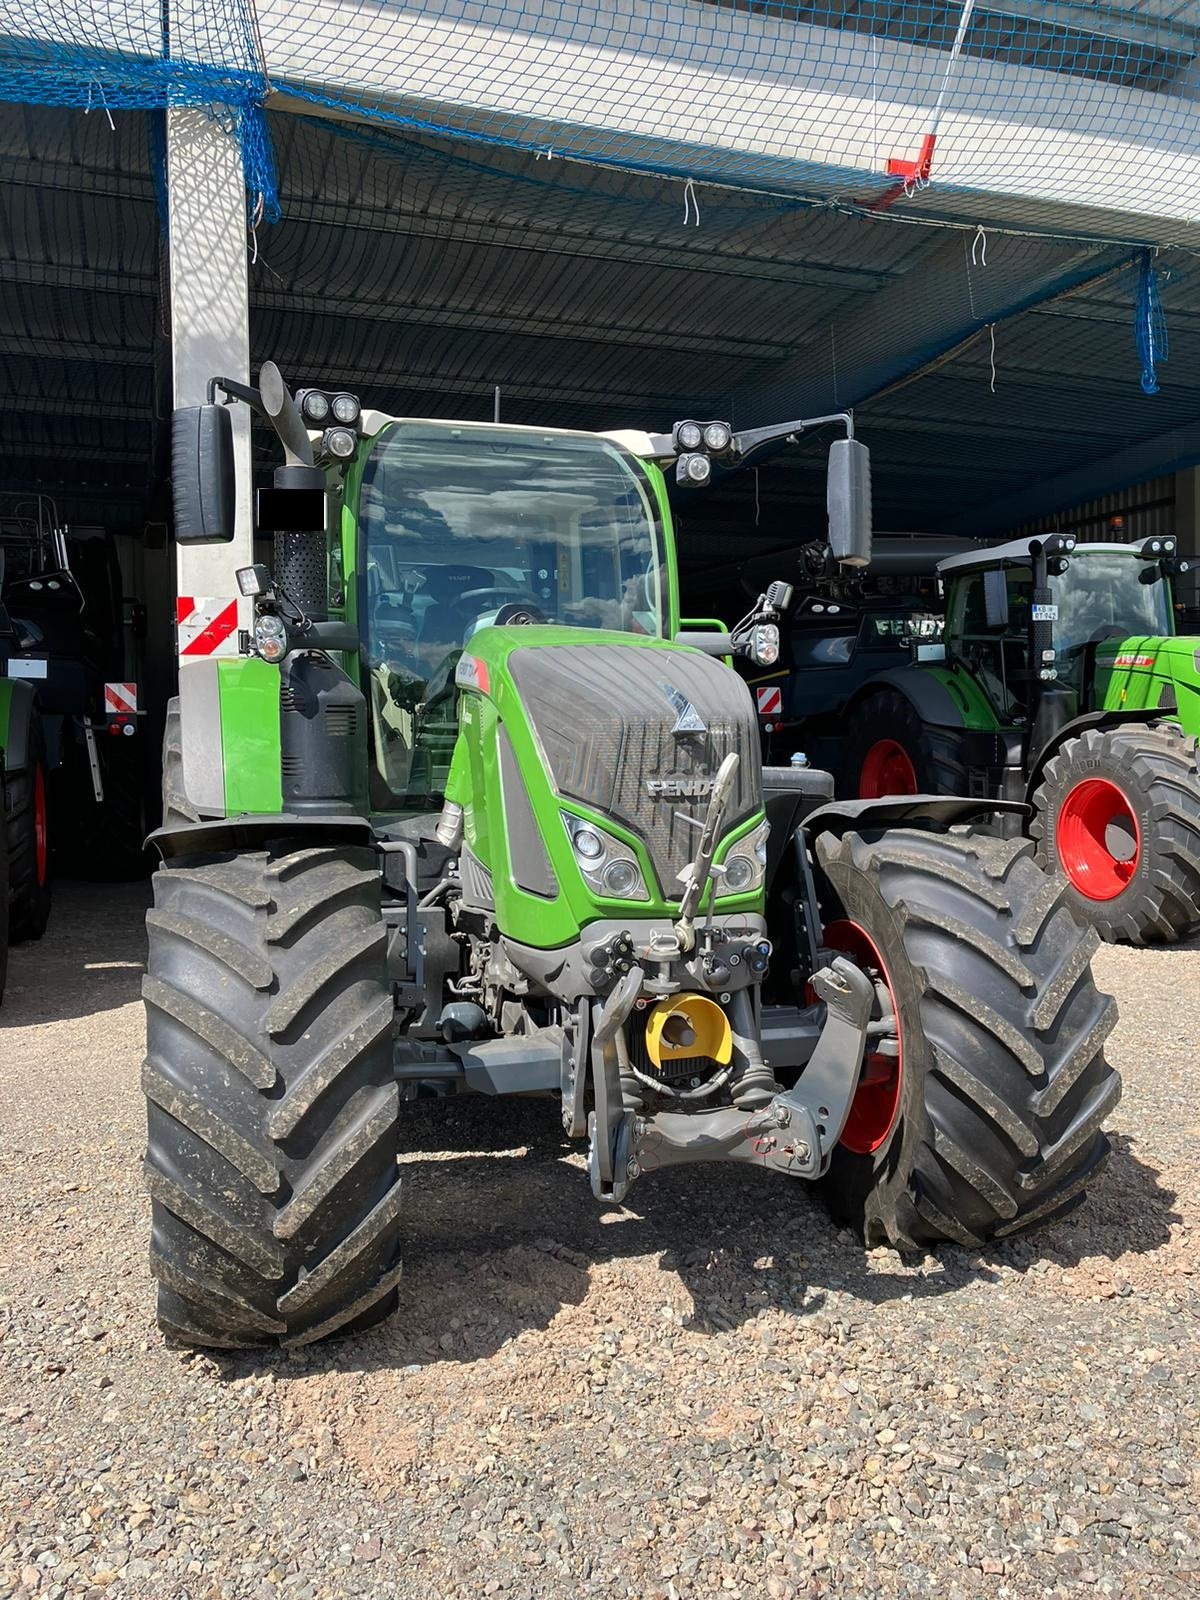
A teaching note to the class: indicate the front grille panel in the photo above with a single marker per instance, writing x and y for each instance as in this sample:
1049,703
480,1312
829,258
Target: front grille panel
604,719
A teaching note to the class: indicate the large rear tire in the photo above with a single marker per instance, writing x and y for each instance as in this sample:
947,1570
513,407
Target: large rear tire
1002,1087
272,1107
1117,816
27,828
888,750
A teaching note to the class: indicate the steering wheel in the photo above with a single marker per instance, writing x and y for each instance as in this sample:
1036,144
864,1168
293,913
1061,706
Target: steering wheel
518,613
485,599
1108,630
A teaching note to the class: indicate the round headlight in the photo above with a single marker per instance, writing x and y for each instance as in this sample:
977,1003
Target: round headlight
697,469
689,436
315,406
588,844
339,442
739,874
764,644
270,637
620,878
346,408
717,436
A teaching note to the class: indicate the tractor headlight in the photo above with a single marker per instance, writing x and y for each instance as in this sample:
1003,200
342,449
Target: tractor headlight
270,637
346,408
764,644
314,406
689,436
745,866
718,436
588,844
740,872
607,866
339,442
693,469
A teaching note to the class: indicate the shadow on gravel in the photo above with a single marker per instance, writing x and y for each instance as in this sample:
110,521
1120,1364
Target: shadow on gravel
496,1244
90,958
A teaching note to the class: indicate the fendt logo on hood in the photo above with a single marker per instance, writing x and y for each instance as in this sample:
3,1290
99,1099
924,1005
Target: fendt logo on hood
687,718
679,788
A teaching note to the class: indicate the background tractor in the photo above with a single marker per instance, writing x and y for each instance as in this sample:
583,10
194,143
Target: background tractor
477,811
1059,682
66,638
25,900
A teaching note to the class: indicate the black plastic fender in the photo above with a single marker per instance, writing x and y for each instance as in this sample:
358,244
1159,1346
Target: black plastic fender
930,698
15,740
252,832
900,811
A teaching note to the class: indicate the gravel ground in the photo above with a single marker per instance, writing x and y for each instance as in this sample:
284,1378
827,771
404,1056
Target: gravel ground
711,1393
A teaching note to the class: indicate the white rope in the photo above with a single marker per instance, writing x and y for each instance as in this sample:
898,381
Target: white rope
979,243
690,204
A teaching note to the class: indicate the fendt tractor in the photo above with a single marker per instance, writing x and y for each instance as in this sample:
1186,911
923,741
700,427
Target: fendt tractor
77,795
476,811
25,872
1059,682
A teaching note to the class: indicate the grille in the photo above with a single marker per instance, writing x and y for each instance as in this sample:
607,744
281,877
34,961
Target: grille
604,719
341,722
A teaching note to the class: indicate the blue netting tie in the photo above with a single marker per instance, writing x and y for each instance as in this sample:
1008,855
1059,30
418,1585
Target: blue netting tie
1150,324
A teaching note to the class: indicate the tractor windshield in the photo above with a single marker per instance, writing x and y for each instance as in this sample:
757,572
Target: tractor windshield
463,526
1107,595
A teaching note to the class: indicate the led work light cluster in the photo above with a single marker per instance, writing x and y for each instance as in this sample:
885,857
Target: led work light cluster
696,444
339,416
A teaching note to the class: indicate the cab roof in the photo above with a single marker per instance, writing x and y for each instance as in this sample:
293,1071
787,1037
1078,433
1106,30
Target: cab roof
1018,552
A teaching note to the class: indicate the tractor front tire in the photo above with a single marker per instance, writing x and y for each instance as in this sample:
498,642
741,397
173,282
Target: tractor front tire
1001,1087
1117,815
272,1108
25,813
889,750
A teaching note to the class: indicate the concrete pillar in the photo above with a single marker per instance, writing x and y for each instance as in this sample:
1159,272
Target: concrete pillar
210,312
1187,531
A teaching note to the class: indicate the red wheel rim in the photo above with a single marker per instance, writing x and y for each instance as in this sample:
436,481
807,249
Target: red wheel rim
41,833
886,769
1099,842
876,1101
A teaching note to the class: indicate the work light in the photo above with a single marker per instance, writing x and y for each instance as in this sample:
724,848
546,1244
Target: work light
718,436
314,406
339,442
689,435
693,469
346,408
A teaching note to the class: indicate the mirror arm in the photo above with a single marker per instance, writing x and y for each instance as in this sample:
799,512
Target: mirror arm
755,438
236,391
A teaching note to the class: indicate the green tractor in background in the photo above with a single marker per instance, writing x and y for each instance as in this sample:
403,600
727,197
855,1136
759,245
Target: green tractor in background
1059,682
476,811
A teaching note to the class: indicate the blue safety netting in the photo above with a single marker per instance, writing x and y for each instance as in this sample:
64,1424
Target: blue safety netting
103,57
1055,115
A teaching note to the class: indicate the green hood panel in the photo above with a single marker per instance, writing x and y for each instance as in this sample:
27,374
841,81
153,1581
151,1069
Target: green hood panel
576,752
1147,674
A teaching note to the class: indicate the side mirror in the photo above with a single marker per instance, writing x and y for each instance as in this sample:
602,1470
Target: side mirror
848,496
203,474
995,598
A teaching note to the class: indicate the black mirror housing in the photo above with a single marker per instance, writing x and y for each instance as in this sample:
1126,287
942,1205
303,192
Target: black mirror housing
203,475
848,498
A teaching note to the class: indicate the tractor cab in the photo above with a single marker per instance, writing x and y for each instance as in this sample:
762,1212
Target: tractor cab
463,527
1029,618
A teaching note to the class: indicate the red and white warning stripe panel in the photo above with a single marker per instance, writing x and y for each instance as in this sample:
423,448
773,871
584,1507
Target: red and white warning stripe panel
120,699
206,627
770,699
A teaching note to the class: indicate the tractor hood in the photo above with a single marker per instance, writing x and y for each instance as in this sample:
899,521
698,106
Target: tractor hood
1151,674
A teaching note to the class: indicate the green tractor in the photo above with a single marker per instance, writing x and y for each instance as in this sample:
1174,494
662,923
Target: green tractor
1059,683
476,811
